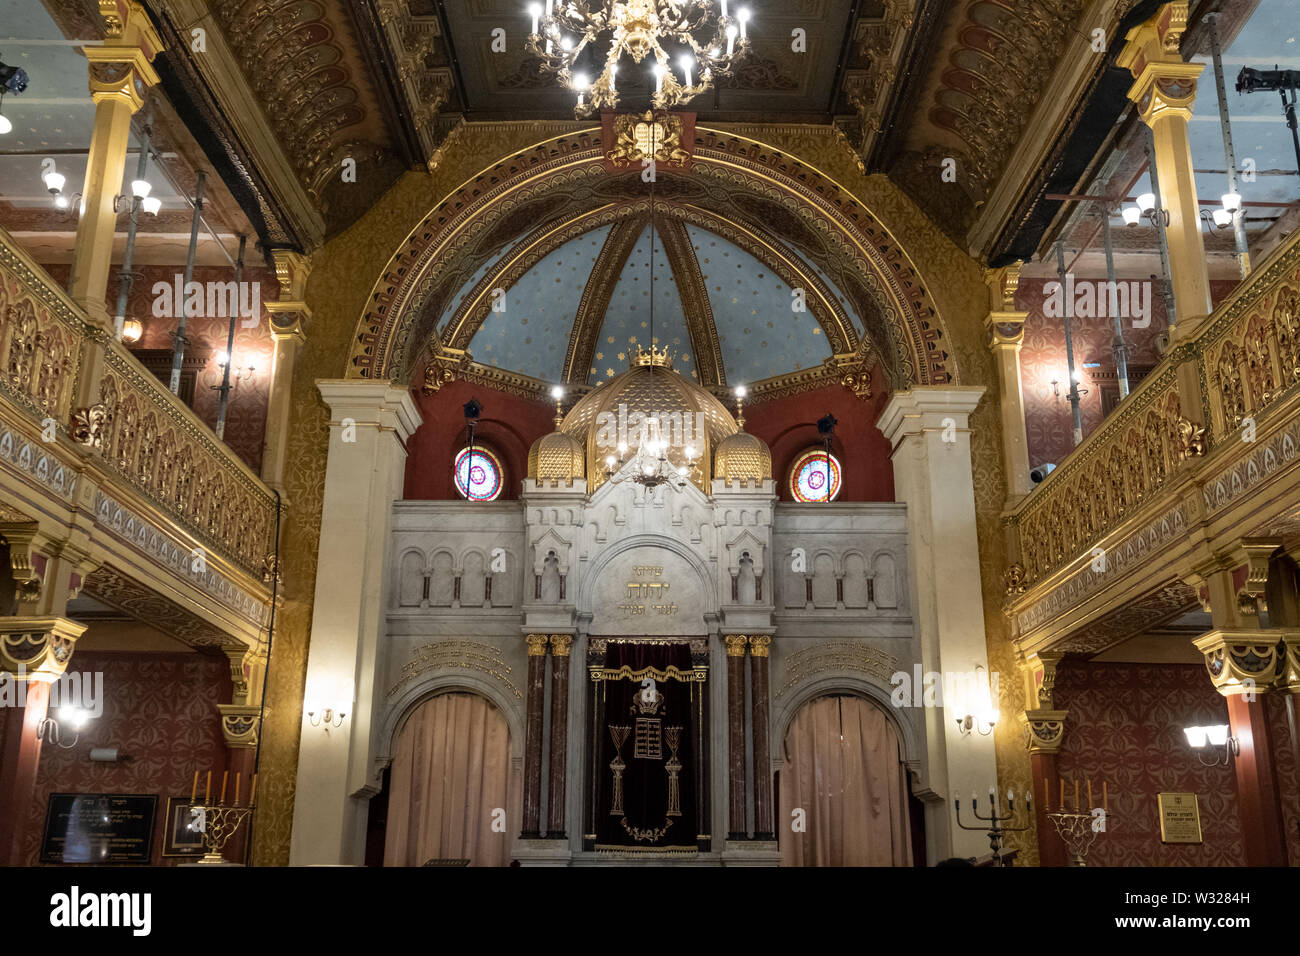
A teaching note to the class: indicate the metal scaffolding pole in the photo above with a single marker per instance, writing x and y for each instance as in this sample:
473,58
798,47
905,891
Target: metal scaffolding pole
124,276
178,353
224,404
1117,343
1069,344
1229,151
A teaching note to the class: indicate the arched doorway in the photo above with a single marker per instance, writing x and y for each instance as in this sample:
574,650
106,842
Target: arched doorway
844,770
450,787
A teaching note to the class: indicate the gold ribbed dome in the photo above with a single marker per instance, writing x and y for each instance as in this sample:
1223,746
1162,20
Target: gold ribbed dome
649,387
556,458
742,457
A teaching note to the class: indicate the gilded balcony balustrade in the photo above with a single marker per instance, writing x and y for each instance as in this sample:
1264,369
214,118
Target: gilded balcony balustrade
1215,420
159,474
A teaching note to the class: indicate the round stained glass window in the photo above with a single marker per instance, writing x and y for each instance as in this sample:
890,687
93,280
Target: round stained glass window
815,476
478,474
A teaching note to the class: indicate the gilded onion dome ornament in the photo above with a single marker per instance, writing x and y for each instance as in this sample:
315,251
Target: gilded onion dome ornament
557,458
742,458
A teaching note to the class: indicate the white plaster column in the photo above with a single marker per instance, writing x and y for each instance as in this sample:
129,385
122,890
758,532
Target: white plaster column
369,425
929,431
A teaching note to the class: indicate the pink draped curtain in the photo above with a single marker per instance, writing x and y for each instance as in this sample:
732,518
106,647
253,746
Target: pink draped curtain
843,767
450,771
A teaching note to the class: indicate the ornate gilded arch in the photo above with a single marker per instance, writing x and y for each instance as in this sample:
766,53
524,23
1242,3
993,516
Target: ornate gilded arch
740,188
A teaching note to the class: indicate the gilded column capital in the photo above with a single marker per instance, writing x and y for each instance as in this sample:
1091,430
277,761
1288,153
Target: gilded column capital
1291,677
561,644
1005,329
1163,84
759,644
121,68
1042,677
37,648
537,644
241,725
1044,730
289,312
735,644
1246,661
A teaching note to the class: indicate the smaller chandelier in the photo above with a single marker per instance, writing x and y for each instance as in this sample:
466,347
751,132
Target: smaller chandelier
649,465
704,36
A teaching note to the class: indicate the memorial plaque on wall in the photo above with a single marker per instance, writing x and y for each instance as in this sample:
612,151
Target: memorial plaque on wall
99,828
1180,818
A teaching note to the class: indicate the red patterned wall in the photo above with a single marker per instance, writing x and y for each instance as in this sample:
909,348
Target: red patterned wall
509,426
1126,727
246,417
1042,358
788,425
1288,783
159,708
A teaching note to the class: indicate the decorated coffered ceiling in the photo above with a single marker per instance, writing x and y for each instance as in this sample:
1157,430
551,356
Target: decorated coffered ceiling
284,96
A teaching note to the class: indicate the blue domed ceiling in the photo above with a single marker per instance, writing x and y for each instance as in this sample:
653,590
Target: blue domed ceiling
576,314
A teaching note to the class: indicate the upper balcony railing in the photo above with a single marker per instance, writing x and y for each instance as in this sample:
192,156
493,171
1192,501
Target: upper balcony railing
135,429
1243,362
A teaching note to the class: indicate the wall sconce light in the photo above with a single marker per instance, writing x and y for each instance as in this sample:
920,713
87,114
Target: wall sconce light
51,730
1215,741
1225,215
326,702
331,717
132,329
237,372
13,79
1146,207
984,713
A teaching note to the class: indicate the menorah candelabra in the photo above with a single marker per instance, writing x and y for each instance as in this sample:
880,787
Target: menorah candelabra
217,822
1078,828
1077,831
219,825
996,823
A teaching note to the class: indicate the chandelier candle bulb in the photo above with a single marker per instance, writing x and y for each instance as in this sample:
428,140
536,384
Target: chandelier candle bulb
1089,793
194,790
731,40
1060,804
1105,803
207,789
1076,795
743,16
724,7
535,11
225,775
236,788
252,790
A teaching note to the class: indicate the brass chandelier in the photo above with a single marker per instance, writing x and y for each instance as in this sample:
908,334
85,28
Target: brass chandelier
707,38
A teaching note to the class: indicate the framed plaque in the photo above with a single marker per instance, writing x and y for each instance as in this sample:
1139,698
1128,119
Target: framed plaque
99,828
180,835
1180,818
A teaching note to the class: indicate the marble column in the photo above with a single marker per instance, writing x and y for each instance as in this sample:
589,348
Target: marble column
289,318
758,676
370,423
1006,333
736,826
928,428
120,74
560,647
533,736
1164,89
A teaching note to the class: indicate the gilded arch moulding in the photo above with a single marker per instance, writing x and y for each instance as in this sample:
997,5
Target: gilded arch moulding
419,277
